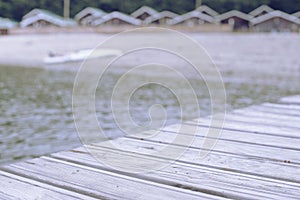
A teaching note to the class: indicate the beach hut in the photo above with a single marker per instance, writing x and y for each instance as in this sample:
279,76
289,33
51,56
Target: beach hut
191,19
86,16
276,21
143,12
297,14
261,10
41,18
116,18
238,20
5,25
161,18
207,10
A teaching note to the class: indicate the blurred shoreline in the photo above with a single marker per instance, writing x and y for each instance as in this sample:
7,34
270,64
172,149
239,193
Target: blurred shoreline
229,51
108,29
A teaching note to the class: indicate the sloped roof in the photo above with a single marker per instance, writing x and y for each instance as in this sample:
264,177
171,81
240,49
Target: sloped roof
51,18
190,15
208,10
273,14
6,23
233,13
142,10
261,9
160,15
95,12
35,12
297,14
116,15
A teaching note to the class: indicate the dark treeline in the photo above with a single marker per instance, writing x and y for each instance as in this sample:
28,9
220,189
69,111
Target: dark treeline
15,9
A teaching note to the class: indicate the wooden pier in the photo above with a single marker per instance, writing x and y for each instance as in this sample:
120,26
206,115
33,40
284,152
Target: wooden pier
256,157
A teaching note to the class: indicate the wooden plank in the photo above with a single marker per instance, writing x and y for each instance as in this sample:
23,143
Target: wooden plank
202,178
290,107
283,109
262,120
234,163
237,136
15,187
276,117
248,150
251,128
291,100
98,183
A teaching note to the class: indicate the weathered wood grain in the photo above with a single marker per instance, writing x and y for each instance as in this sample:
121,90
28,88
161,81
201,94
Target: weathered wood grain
276,117
98,183
198,177
256,128
258,166
231,147
282,109
18,187
234,136
256,120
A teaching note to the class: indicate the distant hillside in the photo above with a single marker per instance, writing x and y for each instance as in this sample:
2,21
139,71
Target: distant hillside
15,9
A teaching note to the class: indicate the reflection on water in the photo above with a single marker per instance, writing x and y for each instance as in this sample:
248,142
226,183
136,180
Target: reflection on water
36,106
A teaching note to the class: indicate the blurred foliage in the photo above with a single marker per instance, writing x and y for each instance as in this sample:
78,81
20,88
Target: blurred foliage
15,9
289,6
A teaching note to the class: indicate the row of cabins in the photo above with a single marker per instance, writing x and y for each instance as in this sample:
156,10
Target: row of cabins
262,19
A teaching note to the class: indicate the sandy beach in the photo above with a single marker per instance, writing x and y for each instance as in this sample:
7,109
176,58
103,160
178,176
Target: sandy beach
231,52
29,50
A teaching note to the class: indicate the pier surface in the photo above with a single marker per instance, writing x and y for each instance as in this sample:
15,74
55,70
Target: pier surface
256,157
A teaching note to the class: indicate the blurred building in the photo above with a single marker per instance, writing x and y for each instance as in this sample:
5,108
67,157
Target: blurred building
237,20
161,18
6,25
143,13
207,10
276,21
116,18
261,10
297,14
192,19
87,15
38,18
203,18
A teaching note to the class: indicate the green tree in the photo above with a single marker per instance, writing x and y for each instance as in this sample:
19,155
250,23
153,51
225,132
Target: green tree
15,9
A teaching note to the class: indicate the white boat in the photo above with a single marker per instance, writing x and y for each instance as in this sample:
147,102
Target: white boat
81,55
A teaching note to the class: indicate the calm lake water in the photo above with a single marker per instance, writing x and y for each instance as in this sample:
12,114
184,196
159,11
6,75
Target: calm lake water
36,104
